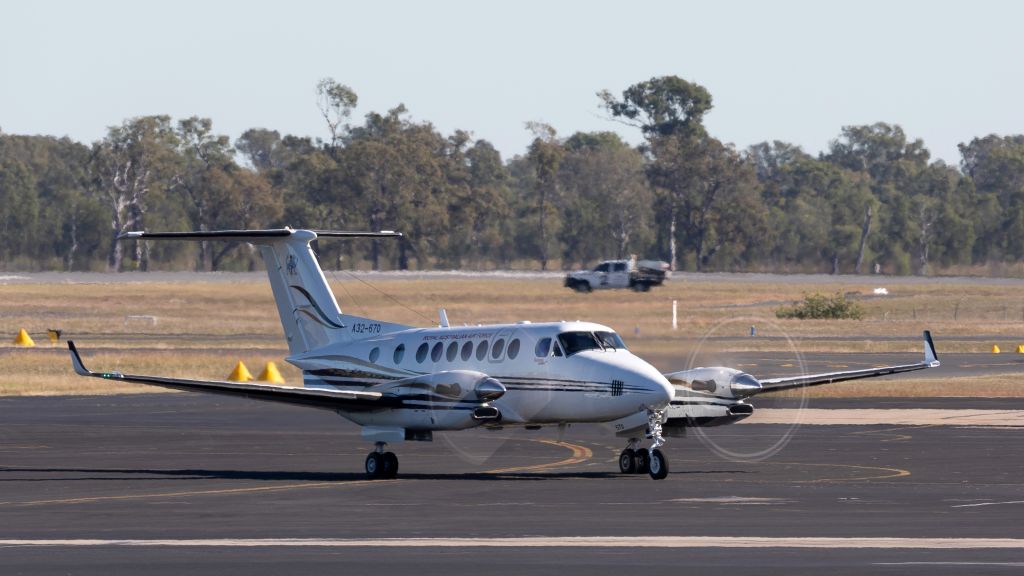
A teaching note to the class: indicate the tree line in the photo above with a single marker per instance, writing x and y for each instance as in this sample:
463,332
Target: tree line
874,201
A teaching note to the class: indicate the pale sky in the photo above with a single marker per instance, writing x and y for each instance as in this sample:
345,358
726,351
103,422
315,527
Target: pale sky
795,71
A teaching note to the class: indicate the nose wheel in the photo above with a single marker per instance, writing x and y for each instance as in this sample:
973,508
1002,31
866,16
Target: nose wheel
633,460
381,464
637,460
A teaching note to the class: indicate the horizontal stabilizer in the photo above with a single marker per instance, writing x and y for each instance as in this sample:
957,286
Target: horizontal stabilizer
309,312
252,235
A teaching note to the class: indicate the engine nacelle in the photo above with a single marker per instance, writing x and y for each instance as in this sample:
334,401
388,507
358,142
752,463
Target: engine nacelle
449,400
718,380
454,384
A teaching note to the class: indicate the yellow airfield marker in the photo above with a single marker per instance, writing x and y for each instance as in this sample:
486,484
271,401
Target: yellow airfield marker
23,339
240,373
1020,348
995,349
271,374
54,335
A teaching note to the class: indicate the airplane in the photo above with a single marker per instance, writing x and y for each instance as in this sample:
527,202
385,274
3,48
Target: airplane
403,383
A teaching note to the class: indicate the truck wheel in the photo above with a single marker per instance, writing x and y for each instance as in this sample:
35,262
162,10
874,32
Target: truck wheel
642,287
583,286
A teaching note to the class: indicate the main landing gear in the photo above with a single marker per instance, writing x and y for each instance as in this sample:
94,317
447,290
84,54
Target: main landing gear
637,460
381,464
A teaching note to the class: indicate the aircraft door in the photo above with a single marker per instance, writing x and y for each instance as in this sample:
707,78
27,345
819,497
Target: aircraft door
499,346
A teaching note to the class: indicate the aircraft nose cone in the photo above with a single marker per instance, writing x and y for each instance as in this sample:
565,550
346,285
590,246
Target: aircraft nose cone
658,391
665,392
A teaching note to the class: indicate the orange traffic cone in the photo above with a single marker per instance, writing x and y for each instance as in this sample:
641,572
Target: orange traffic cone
240,373
23,339
271,374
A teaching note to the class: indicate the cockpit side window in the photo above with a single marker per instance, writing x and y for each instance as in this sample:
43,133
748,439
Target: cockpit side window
541,350
556,350
573,342
610,340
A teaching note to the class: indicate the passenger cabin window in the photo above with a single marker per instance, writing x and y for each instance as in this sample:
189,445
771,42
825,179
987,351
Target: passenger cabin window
498,348
602,267
542,348
467,351
399,353
610,340
453,351
421,352
574,342
481,350
374,354
513,349
435,352
619,267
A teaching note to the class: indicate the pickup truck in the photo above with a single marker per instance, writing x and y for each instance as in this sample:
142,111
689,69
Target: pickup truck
638,275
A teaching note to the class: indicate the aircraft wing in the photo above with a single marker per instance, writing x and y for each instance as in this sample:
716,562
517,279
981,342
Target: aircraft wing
786,383
326,399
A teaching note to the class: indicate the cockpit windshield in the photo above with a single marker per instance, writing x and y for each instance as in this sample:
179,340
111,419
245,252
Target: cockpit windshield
610,340
573,342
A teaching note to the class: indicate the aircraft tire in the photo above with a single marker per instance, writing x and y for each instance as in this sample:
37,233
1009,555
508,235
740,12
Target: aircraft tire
658,467
389,465
374,465
642,461
627,461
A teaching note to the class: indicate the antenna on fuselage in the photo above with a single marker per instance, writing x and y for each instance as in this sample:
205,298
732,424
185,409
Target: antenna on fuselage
444,317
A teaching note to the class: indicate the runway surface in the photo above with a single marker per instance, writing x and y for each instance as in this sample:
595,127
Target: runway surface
176,483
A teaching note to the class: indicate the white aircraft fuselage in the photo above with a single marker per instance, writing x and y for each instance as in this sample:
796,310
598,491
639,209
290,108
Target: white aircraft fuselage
553,373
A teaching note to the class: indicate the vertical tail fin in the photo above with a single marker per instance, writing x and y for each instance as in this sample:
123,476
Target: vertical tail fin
309,313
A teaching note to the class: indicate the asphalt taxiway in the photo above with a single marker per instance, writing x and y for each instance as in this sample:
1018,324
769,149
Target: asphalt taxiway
176,483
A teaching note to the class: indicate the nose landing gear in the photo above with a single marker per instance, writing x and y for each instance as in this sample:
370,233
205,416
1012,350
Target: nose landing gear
637,460
381,464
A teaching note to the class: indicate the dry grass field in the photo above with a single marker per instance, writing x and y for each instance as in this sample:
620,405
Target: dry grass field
195,328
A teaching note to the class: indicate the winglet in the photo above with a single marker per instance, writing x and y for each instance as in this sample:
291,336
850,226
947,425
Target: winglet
76,360
929,351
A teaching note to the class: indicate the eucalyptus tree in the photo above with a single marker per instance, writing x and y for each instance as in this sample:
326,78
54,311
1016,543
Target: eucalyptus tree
607,202
203,154
262,148
19,208
335,102
669,111
477,200
545,156
996,166
46,215
884,153
132,161
394,170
